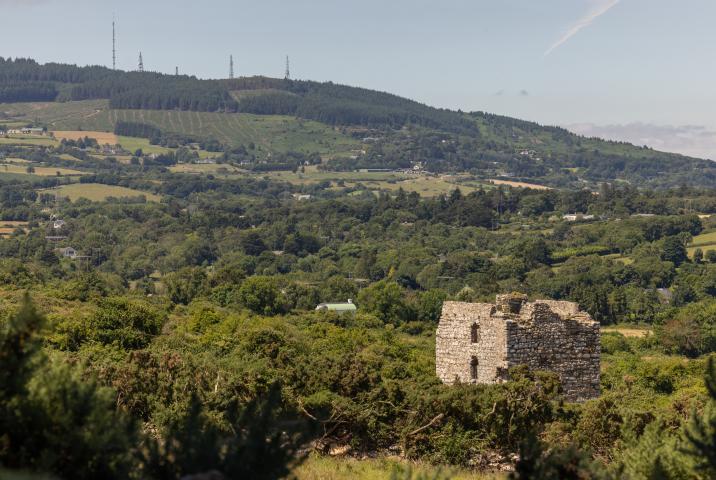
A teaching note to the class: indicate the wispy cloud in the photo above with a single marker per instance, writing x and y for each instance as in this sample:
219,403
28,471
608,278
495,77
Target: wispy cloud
599,8
693,140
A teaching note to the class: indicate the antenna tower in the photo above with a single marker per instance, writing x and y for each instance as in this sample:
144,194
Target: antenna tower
176,71
114,49
231,67
288,70
141,62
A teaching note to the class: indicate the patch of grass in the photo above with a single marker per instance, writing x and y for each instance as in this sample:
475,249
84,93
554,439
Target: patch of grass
629,331
708,238
56,115
8,227
706,241
39,171
98,192
520,184
313,175
704,248
27,140
427,186
331,468
103,138
133,144
204,168
23,177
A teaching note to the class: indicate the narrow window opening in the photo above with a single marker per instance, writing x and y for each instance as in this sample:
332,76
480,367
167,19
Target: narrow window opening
474,333
473,368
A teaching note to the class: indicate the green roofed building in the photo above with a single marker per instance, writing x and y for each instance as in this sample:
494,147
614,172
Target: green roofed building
348,307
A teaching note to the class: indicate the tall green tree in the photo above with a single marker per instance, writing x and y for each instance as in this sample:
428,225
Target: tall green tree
261,295
674,250
701,430
51,420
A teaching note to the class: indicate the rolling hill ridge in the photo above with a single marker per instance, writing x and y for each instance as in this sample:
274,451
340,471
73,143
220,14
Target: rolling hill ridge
349,127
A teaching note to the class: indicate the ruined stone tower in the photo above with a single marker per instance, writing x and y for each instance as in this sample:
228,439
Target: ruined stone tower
479,342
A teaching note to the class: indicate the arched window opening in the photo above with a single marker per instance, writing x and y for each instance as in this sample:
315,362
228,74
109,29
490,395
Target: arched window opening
474,333
473,368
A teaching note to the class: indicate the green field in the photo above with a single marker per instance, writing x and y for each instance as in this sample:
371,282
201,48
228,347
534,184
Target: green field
27,140
708,238
425,185
133,144
39,171
202,168
270,132
70,114
705,248
705,241
99,192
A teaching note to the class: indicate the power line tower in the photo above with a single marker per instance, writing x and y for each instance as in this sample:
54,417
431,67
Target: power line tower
288,70
114,48
231,67
141,62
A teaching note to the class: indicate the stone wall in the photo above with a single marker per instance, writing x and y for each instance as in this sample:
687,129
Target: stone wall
544,335
454,349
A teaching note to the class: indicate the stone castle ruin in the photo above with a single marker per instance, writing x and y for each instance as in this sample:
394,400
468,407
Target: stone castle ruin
480,342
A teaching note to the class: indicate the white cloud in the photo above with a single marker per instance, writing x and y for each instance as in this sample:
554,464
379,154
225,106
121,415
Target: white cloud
693,140
599,8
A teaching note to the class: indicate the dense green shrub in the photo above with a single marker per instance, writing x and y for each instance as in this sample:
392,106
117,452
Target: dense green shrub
613,342
261,295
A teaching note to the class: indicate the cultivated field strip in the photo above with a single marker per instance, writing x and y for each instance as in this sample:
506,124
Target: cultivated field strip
271,132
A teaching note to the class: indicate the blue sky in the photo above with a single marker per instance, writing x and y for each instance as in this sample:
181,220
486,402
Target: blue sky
633,63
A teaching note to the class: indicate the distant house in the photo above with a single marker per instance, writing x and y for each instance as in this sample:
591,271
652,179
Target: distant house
665,295
68,252
26,131
347,307
573,217
57,224
301,197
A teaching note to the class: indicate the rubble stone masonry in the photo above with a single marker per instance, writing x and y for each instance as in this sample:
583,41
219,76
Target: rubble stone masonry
479,342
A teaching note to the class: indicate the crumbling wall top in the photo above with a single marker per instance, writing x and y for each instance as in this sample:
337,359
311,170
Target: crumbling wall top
510,303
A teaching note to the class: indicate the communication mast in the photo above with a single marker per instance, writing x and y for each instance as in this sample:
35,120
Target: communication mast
141,62
176,71
231,67
288,70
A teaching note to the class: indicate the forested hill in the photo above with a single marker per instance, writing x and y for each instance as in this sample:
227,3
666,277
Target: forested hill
396,133
24,80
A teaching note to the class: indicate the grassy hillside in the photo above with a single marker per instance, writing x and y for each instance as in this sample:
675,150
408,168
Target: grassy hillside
272,132
98,192
349,128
